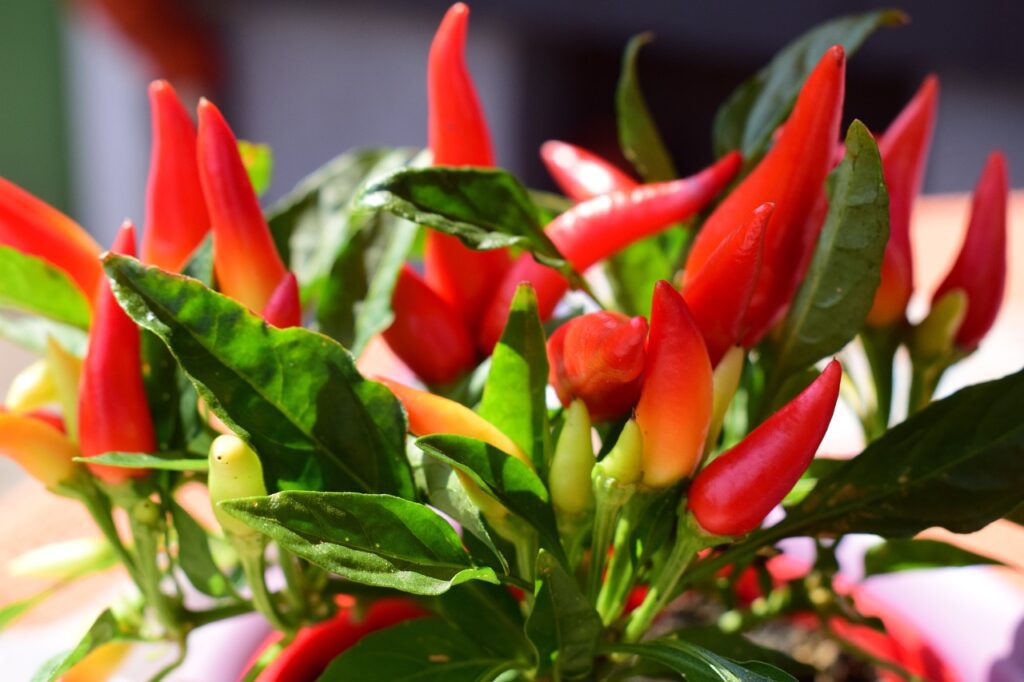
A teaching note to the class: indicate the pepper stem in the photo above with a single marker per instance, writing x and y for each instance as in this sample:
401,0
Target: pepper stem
610,497
250,555
689,541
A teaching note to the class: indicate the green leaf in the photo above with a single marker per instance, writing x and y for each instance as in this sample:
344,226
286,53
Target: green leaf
908,555
836,295
759,105
293,394
819,468
563,626
633,271
503,477
697,664
355,303
639,138
311,223
738,648
170,461
32,285
446,492
487,614
194,555
514,397
11,612
200,262
1017,515
160,376
105,629
955,464
31,333
258,160
376,540
421,650
486,209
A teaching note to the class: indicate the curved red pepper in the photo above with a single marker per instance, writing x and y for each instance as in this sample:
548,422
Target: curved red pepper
315,646
733,494
597,228
245,259
581,174
113,414
284,309
904,151
675,402
719,294
599,358
427,334
176,217
792,174
32,226
980,268
457,136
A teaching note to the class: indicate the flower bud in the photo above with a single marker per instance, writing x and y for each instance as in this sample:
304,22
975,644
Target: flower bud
624,462
599,359
571,465
235,471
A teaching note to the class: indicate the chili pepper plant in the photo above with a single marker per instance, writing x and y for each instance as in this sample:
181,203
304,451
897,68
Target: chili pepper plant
424,460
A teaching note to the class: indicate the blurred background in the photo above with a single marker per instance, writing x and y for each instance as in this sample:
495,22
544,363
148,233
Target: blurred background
315,77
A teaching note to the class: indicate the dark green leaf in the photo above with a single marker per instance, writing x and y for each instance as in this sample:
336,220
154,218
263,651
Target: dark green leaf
312,222
294,395
639,138
908,555
446,492
549,205
194,556
1017,515
31,333
955,464
160,376
563,626
748,118
32,285
819,468
697,664
200,262
486,209
355,302
738,648
421,650
515,393
503,477
171,461
376,540
487,614
258,160
104,629
836,295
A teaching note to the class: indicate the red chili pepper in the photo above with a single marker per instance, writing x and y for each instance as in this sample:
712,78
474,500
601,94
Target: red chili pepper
427,333
245,259
980,269
599,358
113,415
675,402
718,295
581,174
904,151
734,493
597,228
32,226
457,135
176,217
792,174
284,309
315,646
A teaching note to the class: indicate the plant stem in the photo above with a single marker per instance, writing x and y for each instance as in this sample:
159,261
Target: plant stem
99,508
662,590
295,581
146,522
609,502
880,349
923,381
250,555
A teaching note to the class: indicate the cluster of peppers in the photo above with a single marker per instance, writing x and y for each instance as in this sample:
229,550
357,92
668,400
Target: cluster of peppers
668,380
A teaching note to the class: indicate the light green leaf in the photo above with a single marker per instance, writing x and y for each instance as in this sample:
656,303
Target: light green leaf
258,160
376,540
514,397
31,333
170,461
32,285
105,629
697,664
194,555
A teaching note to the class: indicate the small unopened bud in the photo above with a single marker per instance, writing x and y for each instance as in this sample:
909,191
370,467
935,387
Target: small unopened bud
571,465
235,471
624,462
